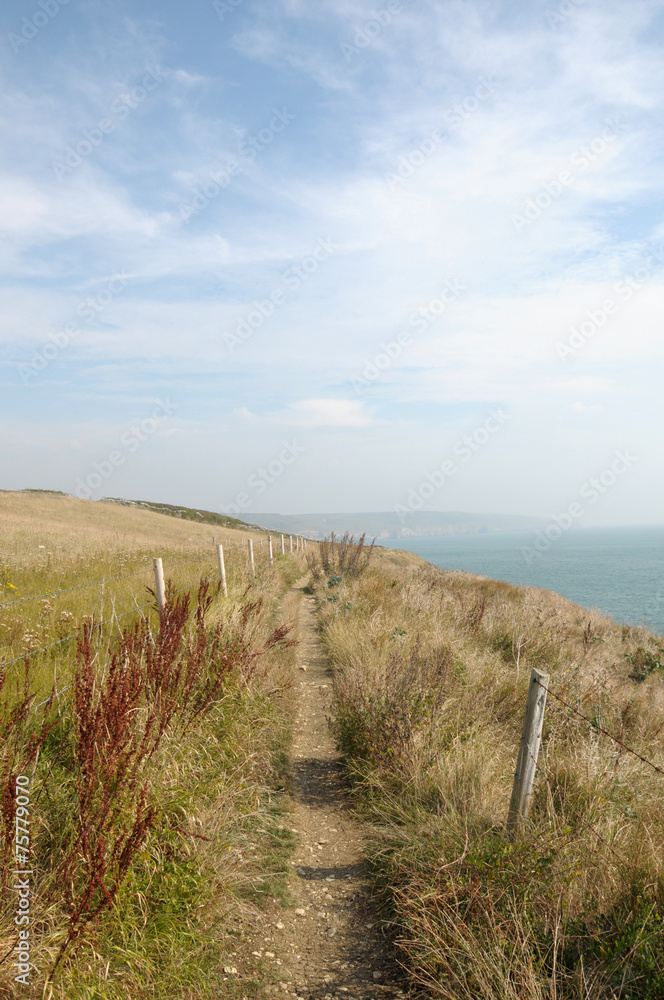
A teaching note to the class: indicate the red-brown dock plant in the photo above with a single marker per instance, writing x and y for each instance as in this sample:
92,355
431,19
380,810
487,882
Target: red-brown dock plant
152,683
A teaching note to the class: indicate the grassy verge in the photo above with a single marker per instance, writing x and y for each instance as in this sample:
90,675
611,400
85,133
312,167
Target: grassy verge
431,676
158,819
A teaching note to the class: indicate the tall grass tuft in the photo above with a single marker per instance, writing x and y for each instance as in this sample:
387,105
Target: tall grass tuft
105,801
340,557
431,676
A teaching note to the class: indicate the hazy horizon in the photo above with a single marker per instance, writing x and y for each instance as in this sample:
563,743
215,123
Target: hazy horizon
343,257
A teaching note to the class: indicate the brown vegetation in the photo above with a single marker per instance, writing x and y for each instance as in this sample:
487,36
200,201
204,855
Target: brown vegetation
153,743
431,675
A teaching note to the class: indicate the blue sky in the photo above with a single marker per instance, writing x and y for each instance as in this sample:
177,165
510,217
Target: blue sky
352,230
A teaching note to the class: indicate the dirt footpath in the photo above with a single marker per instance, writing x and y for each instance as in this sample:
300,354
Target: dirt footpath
329,944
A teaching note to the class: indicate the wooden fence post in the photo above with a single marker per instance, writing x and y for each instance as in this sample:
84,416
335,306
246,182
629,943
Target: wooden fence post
252,565
526,764
159,588
269,548
283,546
222,569
290,543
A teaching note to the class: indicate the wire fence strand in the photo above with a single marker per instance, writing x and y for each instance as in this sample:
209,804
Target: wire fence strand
56,694
97,583
74,635
600,729
68,590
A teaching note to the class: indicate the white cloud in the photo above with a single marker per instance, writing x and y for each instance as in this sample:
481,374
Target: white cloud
582,408
324,413
325,177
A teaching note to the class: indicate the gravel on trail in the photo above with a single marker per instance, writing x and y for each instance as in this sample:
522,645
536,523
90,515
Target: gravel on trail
329,944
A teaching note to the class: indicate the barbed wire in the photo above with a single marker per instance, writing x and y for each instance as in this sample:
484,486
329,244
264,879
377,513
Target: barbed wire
82,586
74,635
109,621
185,562
57,693
578,815
97,583
600,729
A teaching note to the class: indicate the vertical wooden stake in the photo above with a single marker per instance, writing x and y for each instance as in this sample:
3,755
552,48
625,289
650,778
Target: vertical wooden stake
269,548
283,546
251,558
526,764
159,588
290,543
222,569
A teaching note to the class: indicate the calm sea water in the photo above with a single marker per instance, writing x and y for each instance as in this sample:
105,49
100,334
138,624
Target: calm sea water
619,571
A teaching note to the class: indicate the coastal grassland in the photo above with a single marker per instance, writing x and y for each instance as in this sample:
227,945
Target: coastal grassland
158,814
431,670
51,543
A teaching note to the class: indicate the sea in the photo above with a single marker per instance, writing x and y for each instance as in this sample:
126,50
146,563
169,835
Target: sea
618,571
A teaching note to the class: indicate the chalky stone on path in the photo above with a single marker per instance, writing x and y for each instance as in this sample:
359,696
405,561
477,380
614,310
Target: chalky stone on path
328,945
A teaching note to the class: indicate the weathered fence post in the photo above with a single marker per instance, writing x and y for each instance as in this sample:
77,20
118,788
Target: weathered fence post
252,565
283,546
531,737
290,542
222,569
159,588
269,548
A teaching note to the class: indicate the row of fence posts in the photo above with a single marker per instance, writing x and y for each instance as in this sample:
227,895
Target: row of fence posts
160,586
531,735
533,723
301,545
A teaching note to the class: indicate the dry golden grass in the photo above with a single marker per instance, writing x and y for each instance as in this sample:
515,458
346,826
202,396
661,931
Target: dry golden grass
53,543
431,674
219,844
75,532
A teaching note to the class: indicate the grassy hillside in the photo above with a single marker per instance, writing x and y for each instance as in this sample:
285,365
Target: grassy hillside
431,675
152,746
186,513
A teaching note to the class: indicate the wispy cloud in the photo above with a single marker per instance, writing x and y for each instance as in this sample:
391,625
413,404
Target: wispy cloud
324,413
324,178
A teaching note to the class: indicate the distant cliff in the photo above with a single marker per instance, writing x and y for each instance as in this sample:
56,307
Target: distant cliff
390,525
